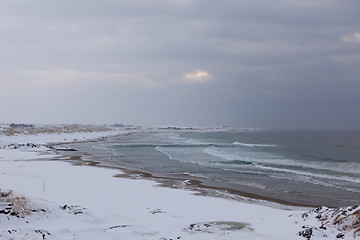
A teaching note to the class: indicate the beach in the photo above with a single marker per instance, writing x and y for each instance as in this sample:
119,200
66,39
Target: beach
48,195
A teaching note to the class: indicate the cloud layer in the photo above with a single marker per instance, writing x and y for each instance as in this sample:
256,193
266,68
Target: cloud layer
257,63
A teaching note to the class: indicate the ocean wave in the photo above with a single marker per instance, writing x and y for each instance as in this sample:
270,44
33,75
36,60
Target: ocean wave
246,172
239,156
239,162
171,145
158,148
236,158
311,174
254,144
300,176
322,182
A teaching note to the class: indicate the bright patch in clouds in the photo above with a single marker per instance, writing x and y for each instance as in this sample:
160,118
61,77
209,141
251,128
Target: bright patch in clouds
197,76
351,38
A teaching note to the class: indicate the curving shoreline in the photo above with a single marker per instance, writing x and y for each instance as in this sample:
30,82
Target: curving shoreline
132,165
202,186
77,201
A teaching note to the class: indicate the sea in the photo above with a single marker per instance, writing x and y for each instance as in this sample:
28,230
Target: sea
300,167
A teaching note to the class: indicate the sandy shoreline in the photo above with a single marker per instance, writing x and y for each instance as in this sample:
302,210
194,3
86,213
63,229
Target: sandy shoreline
80,201
202,186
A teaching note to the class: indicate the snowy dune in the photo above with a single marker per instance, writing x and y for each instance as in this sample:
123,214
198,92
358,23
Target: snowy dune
56,200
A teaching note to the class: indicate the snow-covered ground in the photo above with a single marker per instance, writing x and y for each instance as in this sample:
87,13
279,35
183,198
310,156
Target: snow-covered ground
46,199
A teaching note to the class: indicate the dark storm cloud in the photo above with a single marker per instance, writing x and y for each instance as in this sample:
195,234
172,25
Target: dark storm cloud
283,63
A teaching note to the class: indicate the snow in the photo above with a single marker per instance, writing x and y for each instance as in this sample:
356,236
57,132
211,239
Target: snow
84,202
55,138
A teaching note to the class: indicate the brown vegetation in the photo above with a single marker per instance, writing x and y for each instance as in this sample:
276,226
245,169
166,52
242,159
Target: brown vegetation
17,206
20,207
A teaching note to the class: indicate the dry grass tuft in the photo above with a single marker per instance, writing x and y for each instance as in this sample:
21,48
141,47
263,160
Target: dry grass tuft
20,207
14,205
6,194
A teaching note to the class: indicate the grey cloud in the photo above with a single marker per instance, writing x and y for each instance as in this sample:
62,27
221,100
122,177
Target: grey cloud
267,59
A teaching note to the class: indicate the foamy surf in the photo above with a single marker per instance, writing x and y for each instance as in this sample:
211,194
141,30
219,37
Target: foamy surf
253,145
158,148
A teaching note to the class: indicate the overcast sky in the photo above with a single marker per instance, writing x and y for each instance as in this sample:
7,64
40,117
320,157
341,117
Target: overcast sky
246,63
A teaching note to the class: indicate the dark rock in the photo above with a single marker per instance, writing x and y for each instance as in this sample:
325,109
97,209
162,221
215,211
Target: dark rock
340,235
117,226
307,233
14,125
322,227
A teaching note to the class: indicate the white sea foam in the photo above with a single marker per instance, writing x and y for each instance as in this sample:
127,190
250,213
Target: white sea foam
158,148
335,167
310,174
320,182
276,167
299,176
242,156
254,145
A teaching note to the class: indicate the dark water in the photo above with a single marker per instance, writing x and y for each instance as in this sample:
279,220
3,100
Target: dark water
305,167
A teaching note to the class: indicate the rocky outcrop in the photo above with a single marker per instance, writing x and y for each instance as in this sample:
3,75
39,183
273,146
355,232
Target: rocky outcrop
332,222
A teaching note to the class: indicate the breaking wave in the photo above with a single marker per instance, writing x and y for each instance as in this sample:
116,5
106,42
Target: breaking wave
254,145
158,148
